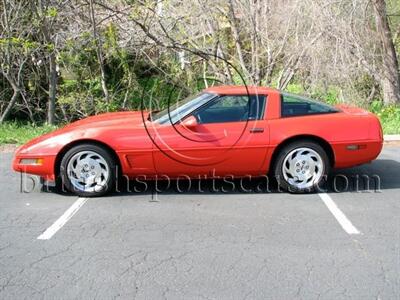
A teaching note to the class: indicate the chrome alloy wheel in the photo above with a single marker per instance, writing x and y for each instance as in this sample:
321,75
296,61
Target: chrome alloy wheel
302,168
88,171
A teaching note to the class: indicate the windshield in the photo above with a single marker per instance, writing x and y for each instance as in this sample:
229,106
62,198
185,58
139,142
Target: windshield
181,108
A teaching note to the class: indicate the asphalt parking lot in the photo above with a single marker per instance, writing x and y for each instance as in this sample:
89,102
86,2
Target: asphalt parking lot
209,245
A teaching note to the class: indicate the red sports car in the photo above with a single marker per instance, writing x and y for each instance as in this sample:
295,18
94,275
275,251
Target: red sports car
228,130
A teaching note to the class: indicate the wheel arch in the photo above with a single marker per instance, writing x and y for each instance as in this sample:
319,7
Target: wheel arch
70,145
304,137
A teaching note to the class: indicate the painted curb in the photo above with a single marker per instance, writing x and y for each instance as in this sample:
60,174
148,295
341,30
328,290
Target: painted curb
391,138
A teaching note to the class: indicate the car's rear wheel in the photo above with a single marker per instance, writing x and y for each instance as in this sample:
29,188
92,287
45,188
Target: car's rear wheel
301,167
88,170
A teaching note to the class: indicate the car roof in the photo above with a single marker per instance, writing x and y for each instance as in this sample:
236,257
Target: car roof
239,89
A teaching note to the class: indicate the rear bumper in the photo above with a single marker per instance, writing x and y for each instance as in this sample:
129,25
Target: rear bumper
350,154
45,170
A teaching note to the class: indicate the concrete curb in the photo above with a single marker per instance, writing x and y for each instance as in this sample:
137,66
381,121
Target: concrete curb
8,148
391,138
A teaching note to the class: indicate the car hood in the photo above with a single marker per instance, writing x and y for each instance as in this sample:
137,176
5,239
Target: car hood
115,119
89,128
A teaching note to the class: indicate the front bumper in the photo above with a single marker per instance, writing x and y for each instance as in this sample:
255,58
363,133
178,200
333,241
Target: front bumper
45,170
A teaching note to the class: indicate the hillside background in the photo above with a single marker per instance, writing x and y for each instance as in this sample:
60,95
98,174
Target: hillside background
65,60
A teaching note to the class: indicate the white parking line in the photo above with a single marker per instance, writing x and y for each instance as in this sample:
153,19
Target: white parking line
57,225
338,214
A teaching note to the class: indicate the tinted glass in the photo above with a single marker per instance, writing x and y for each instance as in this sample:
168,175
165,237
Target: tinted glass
257,107
298,106
231,109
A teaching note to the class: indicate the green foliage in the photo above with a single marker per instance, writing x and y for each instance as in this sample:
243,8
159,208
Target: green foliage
83,98
18,43
19,133
80,92
295,88
389,116
329,95
156,92
52,12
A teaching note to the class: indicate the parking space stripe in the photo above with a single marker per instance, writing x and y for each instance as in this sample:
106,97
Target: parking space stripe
338,214
57,225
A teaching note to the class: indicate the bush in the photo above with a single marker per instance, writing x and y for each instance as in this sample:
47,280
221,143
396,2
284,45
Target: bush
389,116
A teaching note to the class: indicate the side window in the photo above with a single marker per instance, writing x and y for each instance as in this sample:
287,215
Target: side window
292,106
231,108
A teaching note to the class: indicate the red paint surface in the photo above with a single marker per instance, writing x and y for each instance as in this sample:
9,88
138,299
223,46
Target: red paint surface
209,149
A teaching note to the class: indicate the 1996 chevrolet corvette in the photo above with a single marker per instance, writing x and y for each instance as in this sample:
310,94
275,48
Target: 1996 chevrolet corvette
227,130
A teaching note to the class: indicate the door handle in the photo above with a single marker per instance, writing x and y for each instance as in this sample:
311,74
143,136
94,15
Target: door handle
256,130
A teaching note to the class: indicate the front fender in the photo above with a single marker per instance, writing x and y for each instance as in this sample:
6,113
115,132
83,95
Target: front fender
45,149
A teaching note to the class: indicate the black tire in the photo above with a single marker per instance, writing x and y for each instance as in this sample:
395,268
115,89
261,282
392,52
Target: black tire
106,160
280,159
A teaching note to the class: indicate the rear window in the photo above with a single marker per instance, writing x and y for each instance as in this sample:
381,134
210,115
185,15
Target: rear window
292,106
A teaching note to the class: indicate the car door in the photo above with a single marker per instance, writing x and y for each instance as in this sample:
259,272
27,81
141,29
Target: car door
230,138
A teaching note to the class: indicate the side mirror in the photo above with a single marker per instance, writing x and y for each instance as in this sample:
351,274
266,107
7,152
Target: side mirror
190,122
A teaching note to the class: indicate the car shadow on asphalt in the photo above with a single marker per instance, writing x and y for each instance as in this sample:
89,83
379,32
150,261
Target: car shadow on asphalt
375,177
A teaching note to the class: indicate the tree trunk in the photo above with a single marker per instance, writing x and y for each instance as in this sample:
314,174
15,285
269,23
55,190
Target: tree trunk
9,106
255,44
13,100
52,90
51,102
390,72
236,37
99,52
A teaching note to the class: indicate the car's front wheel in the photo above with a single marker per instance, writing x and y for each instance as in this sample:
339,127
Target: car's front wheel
301,167
88,170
